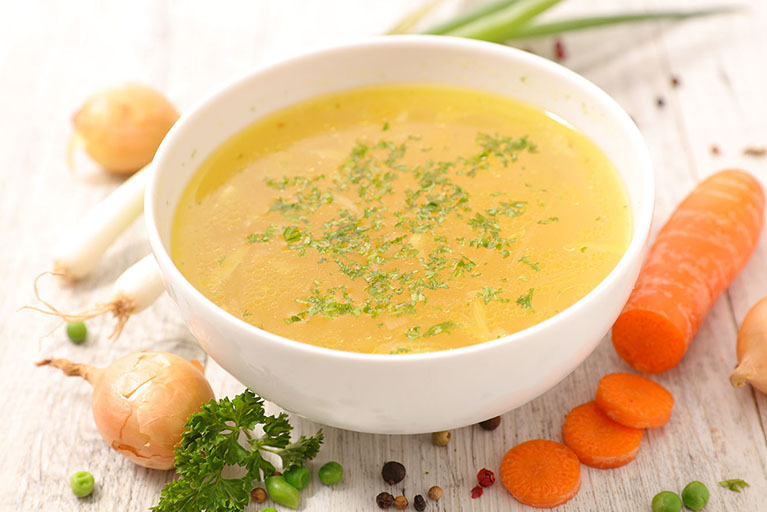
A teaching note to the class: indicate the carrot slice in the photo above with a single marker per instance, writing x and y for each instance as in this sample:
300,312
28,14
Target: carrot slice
634,401
541,473
597,440
700,250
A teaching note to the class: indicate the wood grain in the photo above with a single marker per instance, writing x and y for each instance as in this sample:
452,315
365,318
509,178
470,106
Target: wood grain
55,53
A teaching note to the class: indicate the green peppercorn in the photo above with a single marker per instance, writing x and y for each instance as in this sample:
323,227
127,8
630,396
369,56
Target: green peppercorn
82,484
298,477
666,501
282,493
441,438
695,495
77,332
331,473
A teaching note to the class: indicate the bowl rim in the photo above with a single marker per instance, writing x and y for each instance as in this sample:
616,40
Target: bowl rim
642,224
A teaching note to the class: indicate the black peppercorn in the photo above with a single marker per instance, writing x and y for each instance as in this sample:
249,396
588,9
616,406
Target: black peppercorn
393,472
384,500
419,503
491,424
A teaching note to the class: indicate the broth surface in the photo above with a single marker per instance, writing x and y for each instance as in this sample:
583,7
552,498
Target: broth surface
401,218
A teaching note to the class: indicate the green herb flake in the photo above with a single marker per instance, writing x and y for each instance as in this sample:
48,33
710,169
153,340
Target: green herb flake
526,261
246,314
526,301
734,484
385,126
400,350
221,261
547,221
489,294
444,327
584,248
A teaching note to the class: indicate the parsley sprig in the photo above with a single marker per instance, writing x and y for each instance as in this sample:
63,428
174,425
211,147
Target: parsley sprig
211,442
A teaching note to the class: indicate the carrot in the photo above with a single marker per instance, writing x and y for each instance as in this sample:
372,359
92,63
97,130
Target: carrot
696,255
634,401
752,349
597,440
541,473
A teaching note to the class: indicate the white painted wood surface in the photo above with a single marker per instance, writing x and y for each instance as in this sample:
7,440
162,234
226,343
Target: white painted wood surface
54,54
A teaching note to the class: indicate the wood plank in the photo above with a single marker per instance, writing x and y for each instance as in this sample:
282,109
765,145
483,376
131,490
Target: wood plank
58,53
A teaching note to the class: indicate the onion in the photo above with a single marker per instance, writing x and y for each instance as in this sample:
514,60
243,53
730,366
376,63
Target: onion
134,290
121,127
142,401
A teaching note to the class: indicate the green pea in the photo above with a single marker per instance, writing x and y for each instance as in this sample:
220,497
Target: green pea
666,501
82,484
298,477
695,495
331,473
77,332
282,493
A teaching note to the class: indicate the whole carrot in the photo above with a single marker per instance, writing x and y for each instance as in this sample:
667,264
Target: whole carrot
696,255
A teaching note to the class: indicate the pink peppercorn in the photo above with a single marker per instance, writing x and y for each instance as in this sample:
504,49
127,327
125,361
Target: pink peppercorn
485,477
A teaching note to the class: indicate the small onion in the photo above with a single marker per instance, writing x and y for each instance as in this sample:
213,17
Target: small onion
121,127
142,401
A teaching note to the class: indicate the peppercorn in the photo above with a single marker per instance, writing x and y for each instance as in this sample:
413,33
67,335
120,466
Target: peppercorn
477,491
393,472
675,81
384,500
559,50
400,503
258,495
441,438
435,492
491,424
485,477
419,503
660,102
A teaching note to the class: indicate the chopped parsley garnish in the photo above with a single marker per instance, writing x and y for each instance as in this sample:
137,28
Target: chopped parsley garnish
526,261
489,294
526,301
550,219
399,253
440,328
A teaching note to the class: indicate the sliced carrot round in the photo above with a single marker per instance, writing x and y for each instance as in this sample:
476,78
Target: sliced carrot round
597,440
541,473
634,401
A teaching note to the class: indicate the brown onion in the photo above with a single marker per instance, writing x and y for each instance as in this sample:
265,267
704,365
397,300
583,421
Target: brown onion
142,401
121,127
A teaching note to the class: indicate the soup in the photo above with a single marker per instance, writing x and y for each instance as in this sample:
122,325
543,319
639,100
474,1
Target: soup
401,218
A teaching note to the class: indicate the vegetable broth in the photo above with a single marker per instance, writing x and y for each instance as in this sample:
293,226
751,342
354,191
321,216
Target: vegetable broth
401,218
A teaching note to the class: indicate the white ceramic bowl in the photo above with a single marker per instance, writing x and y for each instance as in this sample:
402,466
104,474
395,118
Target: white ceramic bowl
416,393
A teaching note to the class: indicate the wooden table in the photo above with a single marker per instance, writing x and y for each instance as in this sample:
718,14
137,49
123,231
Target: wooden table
54,54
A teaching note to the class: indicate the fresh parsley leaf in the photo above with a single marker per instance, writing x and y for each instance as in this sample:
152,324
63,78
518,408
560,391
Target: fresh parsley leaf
211,442
734,484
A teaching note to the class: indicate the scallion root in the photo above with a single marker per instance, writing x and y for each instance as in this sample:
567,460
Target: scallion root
135,290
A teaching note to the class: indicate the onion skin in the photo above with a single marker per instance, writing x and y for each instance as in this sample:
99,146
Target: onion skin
142,401
752,349
122,127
